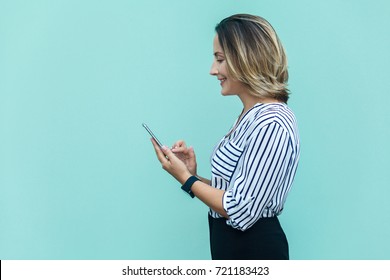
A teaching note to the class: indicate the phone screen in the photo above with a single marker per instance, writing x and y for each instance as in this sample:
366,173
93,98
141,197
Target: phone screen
152,134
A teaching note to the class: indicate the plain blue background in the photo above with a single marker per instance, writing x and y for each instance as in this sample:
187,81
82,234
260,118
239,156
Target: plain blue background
78,175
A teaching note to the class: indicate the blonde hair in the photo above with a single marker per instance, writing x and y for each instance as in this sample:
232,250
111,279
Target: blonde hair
254,55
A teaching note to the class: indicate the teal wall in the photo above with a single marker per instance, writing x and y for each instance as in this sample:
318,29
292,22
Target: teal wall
78,176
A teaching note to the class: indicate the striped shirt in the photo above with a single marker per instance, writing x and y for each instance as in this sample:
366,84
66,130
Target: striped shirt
256,163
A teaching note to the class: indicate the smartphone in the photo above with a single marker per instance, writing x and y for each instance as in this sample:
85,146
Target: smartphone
152,134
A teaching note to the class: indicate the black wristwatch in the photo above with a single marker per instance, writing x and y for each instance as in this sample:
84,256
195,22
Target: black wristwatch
188,184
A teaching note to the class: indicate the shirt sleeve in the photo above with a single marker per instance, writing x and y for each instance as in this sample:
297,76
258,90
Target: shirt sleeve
265,159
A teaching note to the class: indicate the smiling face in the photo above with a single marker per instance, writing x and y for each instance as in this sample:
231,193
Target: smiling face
230,86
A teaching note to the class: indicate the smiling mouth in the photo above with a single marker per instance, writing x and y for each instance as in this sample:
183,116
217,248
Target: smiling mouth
222,81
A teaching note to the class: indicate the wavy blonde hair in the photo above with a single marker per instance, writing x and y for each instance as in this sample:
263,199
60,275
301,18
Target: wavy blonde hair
254,55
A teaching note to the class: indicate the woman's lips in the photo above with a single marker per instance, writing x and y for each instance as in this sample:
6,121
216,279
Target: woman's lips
222,81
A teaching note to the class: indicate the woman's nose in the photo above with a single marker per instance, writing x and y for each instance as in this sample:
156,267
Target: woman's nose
214,69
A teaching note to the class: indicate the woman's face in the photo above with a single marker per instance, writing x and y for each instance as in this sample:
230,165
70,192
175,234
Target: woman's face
230,86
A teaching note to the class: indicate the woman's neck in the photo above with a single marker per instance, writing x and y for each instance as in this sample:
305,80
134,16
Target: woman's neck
249,101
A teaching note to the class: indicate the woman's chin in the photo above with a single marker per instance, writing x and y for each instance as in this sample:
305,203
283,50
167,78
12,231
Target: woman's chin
226,93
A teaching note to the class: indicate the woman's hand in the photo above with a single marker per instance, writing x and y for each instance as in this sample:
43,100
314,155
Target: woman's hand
171,163
186,155
179,168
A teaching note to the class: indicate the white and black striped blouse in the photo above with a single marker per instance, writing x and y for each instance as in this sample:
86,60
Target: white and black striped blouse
255,164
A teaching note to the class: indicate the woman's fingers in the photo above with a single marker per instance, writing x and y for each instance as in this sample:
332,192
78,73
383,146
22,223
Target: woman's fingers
171,163
191,152
160,155
164,154
179,146
180,150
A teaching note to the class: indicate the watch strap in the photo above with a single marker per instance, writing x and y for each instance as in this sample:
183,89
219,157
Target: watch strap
188,184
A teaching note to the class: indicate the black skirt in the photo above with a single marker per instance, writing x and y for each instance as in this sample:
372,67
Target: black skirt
265,240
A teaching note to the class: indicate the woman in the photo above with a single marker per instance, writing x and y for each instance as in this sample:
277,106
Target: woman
254,164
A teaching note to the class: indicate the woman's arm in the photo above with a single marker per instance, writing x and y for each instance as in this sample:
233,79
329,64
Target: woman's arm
204,180
210,196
